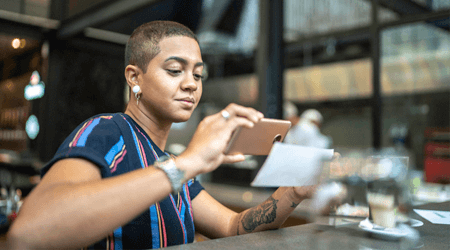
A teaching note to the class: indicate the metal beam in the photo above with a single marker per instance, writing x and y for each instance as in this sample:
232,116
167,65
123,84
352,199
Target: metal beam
270,58
107,36
101,15
429,17
403,7
408,8
377,103
28,20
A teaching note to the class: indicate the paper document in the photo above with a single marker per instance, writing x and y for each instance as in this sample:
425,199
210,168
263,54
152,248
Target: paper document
435,217
292,165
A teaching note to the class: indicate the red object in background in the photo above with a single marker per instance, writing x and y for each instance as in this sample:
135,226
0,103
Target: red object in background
12,217
437,170
437,156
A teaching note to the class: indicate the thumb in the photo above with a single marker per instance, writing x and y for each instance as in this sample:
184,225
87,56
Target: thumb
233,158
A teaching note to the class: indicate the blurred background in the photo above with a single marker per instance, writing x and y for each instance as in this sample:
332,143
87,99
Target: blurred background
377,70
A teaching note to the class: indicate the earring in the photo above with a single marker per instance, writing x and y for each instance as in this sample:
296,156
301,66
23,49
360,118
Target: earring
136,89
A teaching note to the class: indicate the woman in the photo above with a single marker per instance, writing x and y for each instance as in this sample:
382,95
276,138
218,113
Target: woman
111,185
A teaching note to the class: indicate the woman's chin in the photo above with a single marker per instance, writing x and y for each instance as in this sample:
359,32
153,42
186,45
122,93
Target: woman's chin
181,118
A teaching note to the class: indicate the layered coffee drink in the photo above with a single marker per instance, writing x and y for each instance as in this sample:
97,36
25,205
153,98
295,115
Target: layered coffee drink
382,209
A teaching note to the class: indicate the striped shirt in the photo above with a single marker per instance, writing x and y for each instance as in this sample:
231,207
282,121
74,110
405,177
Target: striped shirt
117,145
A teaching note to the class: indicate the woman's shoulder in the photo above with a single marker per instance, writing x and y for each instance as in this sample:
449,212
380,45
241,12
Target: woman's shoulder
97,139
101,125
105,116
102,120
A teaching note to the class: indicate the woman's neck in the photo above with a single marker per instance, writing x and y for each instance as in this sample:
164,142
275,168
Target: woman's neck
157,131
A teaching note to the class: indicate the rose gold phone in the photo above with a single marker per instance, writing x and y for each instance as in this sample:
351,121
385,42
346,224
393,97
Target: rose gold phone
259,139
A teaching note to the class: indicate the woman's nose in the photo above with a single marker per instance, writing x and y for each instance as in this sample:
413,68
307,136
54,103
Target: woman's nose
189,84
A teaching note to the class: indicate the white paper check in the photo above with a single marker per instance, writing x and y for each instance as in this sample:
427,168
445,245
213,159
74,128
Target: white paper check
292,165
435,217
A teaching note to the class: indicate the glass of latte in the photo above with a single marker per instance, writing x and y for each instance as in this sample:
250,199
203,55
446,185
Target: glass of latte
386,177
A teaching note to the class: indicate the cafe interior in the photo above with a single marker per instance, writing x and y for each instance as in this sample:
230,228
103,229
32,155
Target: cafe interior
377,70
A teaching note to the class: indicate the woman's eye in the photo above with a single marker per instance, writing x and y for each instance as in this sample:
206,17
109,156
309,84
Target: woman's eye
174,71
198,76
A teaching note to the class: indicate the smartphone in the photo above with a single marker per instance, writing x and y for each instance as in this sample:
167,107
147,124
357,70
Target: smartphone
259,139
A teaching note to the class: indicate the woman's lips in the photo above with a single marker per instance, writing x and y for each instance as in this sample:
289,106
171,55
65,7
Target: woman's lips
187,102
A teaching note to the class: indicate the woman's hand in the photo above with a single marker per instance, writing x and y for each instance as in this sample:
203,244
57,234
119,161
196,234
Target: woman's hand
205,152
308,192
305,192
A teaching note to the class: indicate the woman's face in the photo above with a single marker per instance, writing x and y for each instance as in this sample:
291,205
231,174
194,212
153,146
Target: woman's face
172,85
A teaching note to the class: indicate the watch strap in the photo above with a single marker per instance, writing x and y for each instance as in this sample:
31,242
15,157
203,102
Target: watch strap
175,175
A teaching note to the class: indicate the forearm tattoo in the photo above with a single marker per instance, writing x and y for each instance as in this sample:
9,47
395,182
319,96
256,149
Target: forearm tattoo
294,205
262,214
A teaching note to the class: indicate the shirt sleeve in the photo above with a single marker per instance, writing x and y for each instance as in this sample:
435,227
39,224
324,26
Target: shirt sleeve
194,188
94,140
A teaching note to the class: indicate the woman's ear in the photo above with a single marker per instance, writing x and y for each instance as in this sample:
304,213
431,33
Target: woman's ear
131,75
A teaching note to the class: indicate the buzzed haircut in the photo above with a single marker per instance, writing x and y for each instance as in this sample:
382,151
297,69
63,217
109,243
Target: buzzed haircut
143,44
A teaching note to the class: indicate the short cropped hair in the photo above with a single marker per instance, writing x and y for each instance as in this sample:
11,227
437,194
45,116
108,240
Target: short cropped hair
143,44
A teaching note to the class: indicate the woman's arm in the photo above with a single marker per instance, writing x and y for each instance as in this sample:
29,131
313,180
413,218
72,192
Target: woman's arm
214,220
73,207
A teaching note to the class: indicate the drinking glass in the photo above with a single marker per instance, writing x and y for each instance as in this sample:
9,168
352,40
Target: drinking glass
387,190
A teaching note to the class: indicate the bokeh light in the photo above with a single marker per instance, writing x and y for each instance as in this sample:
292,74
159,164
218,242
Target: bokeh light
247,196
32,127
22,44
15,43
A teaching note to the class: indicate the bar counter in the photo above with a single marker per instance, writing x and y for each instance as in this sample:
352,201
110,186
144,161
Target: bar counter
320,236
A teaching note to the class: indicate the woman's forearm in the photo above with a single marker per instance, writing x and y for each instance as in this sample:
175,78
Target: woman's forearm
270,214
75,215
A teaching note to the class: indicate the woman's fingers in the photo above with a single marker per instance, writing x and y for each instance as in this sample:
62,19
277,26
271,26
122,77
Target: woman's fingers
235,110
214,132
305,191
336,156
225,114
227,159
235,116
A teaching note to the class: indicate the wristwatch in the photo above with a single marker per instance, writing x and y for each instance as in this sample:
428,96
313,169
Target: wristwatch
175,175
